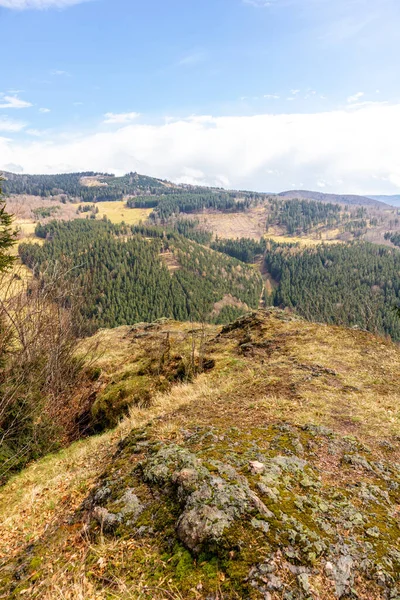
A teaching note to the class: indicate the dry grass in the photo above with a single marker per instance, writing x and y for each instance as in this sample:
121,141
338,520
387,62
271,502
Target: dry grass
35,498
46,494
118,212
303,240
304,373
250,224
343,379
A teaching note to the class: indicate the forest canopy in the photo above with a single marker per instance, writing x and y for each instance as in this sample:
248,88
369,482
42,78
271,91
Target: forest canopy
143,273
356,284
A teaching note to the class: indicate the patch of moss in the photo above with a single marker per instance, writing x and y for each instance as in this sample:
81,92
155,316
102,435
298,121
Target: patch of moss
114,403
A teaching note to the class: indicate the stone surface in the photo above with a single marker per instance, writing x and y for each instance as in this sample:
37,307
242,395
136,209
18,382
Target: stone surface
256,467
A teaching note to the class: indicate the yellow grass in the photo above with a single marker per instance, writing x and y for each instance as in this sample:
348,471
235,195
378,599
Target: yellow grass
118,212
303,241
26,226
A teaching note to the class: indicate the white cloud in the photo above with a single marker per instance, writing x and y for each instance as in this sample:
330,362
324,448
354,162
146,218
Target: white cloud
58,72
271,96
9,125
347,151
120,118
44,110
38,4
13,101
355,98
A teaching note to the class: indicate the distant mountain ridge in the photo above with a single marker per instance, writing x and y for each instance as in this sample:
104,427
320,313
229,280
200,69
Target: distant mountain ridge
351,199
392,200
94,186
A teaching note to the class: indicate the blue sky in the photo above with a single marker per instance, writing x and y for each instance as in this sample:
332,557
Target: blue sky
259,94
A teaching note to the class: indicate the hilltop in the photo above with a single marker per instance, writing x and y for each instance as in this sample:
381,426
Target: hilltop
351,199
256,460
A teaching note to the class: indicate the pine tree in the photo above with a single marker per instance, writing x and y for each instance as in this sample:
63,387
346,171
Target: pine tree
7,239
7,236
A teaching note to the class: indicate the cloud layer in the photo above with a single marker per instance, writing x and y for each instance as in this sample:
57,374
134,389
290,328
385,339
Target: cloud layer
353,151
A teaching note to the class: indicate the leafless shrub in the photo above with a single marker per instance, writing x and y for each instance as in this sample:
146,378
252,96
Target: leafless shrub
40,327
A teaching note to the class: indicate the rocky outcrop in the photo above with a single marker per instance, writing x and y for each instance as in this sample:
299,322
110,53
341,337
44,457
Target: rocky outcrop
221,497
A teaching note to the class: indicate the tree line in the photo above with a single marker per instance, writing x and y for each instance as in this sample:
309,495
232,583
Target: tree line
301,216
70,186
167,205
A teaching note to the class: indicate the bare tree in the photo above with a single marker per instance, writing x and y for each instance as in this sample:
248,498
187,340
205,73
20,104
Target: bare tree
42,324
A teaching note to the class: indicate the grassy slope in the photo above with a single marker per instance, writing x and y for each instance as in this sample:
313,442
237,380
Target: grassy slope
273,375
117,212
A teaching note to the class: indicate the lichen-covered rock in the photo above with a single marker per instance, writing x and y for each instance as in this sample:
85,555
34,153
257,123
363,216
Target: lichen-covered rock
202,523
210,503
124,510
342,573
270,518
256,467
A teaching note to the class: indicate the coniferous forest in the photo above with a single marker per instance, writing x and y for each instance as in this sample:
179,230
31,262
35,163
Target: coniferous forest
70,185
300,216
133,274
355,284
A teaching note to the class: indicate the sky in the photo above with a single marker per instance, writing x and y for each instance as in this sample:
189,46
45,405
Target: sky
265,95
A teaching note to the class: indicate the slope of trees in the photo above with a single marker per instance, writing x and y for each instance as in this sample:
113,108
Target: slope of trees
173,204
300,216
44,185
192,230
356,284
244,249
126,279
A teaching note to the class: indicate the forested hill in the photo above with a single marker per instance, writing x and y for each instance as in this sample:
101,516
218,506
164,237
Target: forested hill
133,274
356,284
341,198
87,186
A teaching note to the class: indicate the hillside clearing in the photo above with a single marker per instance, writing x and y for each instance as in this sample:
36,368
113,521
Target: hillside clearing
249,224
117,212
